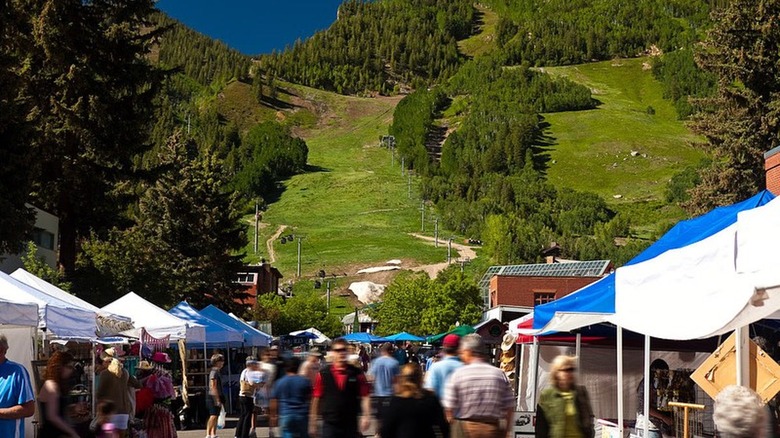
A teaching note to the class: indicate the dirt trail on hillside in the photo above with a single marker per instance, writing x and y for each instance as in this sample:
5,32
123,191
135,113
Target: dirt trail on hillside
269,244
464,253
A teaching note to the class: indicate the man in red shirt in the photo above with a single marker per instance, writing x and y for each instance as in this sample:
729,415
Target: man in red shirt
340,393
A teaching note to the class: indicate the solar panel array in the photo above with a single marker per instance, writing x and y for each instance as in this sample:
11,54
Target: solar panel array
590,268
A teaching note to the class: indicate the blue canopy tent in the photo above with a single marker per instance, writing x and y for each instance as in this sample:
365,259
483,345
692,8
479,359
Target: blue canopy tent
216,332
364,338
252,336
588,305
404,336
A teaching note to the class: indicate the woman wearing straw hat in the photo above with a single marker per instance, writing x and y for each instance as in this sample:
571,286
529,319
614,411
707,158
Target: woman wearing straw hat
564,409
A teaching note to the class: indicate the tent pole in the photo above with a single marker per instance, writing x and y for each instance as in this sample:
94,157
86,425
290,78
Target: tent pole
94,384
230,381
520,361
620,379
646,387
578,352
743,366
534,375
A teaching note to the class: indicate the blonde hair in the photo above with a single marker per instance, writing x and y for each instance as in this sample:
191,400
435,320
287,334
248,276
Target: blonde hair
559,363
410,381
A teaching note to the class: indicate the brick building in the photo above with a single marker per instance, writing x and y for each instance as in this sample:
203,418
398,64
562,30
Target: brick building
258,279
529,285
772,168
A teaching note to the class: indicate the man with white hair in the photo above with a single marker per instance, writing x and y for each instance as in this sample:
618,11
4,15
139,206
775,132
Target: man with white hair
478,396
17,401
739,413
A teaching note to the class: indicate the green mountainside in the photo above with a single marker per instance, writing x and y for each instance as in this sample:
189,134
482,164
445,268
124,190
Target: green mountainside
517,123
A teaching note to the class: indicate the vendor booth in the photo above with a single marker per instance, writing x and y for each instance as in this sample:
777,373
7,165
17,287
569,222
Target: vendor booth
57,321
707,276
18,322
218,336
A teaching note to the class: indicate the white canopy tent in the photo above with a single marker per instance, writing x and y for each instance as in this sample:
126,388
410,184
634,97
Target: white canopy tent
56,318
108,323
320,339
156,321
697,288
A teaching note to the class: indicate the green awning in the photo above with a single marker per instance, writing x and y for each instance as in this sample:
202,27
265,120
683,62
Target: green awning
461,330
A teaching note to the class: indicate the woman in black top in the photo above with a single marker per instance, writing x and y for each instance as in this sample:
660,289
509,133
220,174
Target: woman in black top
53,397
413,412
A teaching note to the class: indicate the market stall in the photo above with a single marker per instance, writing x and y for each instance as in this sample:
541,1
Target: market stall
19,322
218,335
706,264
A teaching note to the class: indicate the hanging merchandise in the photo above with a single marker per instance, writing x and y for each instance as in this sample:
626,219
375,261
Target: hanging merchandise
507,364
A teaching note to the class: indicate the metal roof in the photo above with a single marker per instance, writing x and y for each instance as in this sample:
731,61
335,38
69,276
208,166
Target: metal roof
590,268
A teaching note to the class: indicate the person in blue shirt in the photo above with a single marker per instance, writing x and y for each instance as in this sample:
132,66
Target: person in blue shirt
16,395
440,371
290,402
383,373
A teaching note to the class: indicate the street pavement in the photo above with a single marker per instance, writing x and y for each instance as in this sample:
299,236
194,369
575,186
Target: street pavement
230,431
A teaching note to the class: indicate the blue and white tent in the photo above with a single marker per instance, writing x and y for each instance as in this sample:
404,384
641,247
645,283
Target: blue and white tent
216,333
252,336
692,268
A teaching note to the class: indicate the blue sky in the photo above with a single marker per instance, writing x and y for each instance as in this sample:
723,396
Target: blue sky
254,27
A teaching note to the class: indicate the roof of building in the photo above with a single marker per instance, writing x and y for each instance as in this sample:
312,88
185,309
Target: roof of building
590,268
363,317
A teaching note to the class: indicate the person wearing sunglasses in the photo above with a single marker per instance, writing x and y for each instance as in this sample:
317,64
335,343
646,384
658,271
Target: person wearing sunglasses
340,393
564,409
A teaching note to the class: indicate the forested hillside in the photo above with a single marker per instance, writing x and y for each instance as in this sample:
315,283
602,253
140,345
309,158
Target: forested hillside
561,32
379,46
199,57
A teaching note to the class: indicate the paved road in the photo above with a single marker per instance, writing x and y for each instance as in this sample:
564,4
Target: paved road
230,430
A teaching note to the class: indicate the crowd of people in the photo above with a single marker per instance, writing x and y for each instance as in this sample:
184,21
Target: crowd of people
459,394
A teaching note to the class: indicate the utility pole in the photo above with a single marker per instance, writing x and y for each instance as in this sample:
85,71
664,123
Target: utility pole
257,218
449,251
436,233
328,295
299,257
422,216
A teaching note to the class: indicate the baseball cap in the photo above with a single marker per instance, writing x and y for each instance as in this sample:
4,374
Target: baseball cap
451,341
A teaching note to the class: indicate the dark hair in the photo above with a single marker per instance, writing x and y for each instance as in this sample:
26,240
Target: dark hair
217,358
54,366
291,364
386,347
106,407
339,341
659,364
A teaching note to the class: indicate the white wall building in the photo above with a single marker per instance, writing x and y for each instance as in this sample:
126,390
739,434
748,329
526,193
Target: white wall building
46,236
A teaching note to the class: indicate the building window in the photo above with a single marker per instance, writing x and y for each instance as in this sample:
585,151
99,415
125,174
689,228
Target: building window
245,278
43,239
543,297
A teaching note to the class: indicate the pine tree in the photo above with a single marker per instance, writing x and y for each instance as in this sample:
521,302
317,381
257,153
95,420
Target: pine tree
195,224
15,176
91,88
740,122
